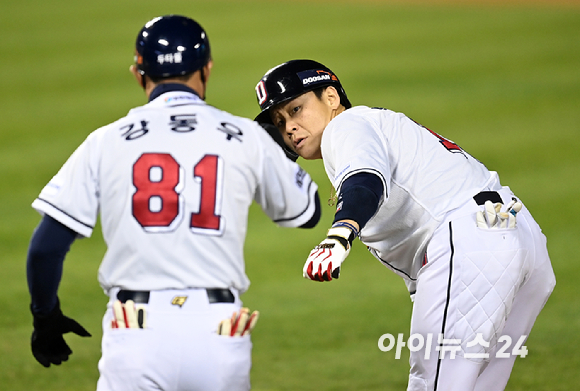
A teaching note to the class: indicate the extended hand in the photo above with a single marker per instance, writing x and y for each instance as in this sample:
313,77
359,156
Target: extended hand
323,263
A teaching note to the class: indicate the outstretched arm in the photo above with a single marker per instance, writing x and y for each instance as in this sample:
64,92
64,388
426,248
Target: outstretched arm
357,203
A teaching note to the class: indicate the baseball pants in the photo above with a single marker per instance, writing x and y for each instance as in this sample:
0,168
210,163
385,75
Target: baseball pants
477,298
178,348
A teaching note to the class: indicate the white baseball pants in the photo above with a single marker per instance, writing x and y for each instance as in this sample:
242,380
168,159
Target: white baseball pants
479,293
178,349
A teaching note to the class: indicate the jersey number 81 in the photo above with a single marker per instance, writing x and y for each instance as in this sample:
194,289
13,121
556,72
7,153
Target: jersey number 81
157,203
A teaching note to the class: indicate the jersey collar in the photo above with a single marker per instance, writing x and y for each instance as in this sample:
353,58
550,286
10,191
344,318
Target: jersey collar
170,87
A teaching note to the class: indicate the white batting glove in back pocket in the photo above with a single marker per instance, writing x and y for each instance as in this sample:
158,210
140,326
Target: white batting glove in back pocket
492,216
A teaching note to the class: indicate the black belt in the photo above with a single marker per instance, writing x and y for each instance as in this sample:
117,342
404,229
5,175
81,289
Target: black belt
214,295
492,196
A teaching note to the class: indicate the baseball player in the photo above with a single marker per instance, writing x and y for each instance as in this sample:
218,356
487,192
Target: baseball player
172,182
473,258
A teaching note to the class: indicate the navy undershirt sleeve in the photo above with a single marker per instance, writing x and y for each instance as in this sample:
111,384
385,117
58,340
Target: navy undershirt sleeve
359,198
50,242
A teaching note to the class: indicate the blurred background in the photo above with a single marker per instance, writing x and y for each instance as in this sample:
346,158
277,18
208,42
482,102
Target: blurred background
501,79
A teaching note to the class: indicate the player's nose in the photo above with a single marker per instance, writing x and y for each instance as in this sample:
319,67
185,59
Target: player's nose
291,129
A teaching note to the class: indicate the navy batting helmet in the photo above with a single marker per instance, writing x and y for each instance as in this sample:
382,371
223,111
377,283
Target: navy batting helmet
171,45
291,79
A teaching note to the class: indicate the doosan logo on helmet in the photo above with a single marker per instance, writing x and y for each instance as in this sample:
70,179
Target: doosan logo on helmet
314,79
315,76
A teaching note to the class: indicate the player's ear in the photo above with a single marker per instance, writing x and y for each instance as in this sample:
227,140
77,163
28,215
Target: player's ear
331,97
204,72
207,68
138,76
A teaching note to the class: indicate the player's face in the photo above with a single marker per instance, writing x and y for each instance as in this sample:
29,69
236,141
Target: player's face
302,121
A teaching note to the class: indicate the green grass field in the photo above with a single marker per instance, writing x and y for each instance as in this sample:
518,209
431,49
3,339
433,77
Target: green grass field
503,81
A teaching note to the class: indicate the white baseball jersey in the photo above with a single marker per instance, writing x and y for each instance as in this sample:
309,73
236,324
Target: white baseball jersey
173,182
424,176
479,282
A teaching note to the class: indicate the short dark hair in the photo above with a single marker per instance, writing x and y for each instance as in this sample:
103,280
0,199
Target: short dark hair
318,92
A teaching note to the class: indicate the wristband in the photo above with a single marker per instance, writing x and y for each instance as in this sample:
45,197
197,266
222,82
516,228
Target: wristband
354,232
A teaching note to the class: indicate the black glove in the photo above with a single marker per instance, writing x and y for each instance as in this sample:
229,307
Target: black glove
48,345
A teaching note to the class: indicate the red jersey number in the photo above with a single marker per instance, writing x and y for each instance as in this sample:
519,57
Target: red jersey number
207,173
450,145
157,201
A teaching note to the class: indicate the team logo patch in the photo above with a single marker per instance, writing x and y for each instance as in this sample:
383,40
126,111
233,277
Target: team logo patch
314,76
179,300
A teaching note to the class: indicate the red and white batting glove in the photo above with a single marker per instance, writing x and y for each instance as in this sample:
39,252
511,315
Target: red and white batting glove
128,315
323,263
239,324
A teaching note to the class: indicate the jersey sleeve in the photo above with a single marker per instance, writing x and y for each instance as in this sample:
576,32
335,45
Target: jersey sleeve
351,145
72,196
286,192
